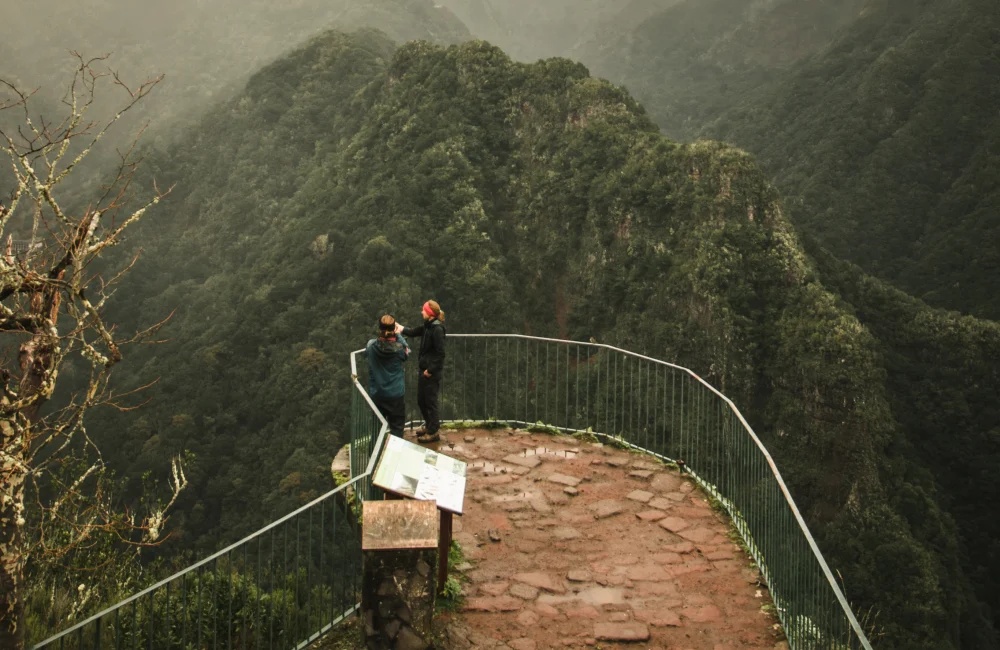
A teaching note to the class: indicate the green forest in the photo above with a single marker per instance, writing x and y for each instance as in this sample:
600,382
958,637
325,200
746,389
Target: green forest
358,174
876,119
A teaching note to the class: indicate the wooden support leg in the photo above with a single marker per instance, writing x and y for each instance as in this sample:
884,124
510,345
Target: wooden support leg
444,545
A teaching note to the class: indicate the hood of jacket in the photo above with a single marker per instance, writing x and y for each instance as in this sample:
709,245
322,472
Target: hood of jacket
387,347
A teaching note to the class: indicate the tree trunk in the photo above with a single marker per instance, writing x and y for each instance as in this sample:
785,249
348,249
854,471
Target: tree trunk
11,542
36,361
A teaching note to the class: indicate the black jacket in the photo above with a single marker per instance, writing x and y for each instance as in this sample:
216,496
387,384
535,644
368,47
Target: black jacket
432,335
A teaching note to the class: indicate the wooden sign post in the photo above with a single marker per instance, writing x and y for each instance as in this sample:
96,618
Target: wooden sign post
409,470
397,590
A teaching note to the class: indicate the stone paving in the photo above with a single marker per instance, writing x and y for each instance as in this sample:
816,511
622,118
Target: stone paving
576,544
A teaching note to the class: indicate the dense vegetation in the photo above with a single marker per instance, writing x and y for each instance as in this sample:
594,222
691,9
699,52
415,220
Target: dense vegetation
352,177
888,144
876,118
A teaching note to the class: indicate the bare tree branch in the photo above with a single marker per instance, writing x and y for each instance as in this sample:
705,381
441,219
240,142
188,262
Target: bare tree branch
52,305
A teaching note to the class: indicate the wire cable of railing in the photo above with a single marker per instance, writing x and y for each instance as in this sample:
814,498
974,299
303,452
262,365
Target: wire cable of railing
652,406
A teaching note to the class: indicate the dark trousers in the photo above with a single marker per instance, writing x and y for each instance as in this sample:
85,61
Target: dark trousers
393,409
428,392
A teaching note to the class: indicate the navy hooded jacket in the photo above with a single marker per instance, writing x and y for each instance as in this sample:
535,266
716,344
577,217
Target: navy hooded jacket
385,367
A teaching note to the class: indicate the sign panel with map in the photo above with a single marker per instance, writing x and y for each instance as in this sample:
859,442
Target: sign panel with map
410,470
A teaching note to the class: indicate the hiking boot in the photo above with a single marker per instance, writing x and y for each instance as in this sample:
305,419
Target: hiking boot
422,431
425,438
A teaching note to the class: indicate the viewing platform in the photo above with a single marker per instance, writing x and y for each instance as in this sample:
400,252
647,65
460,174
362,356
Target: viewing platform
570,543
578,529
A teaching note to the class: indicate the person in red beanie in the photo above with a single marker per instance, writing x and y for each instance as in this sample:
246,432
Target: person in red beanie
431,363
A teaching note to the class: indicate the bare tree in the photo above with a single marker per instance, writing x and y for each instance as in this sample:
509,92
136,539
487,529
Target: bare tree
54,496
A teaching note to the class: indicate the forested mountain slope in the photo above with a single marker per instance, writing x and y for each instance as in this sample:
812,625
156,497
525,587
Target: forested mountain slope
889,146
876,118
351,177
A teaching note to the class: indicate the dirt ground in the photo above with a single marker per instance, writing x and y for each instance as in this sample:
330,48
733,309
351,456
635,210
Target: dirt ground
575,544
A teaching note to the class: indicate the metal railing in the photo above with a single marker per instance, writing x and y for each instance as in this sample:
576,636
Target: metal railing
650,405
282,587
672,413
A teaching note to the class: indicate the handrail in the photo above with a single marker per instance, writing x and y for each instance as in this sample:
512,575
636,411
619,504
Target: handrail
95,621
215,556
369,439
753,435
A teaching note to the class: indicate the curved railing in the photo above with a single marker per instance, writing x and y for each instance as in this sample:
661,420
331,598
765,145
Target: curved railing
670,412
293,581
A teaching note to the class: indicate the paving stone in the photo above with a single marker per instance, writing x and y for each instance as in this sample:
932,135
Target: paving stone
597,596
585,612
697,535
616,607
646,465
647,589
691,512
639,495
565,533
697,600
631,631
661,503
540,580
558,498
674,524
540,505
668,558
523,591
528,618
501,604
531,462
617,461
606,508
658,617
494,588
578,575
547,610
681,547
687,487
527,545
675,496
618,617
648,573
665,482
470,438
687,569
651,515
707,614
522,644
562,479
571,491
641,474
